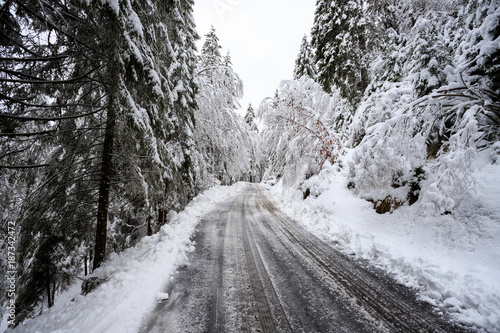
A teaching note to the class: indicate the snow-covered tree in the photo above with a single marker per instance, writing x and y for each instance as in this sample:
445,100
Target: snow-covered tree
225,146
250,118
339,38
210,54
419,81
106,103
161,56
298,136
305,64
53,108
424,131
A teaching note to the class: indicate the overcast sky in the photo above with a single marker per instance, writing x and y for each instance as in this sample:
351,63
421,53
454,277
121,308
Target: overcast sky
262,36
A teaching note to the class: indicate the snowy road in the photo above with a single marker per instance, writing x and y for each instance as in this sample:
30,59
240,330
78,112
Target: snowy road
256,270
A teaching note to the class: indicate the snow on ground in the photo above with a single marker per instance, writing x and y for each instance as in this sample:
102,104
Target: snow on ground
135,278
452,260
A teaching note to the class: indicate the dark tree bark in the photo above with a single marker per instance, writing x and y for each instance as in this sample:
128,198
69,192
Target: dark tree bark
49,300
105,183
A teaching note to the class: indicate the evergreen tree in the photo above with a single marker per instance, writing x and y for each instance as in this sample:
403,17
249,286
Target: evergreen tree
157,96
339,37
256,157
56,92
304,64
107,107
250,119
161,91
210,51
433,108
224,144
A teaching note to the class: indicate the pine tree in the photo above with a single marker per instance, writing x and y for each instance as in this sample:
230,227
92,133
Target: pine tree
304,64
157,80
224,144
256,157
210,51
161,91
339,38
107,106
54,92
250,119
433,106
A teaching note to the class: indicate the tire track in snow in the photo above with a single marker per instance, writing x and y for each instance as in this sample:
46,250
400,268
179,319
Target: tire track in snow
272,318
364,291
257,270
218,320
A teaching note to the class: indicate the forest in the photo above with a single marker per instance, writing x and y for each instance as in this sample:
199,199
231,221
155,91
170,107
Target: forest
111,120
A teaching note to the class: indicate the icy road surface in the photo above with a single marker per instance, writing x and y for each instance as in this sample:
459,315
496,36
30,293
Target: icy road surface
256,270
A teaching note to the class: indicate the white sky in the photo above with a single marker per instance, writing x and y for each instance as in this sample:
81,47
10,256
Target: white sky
262,36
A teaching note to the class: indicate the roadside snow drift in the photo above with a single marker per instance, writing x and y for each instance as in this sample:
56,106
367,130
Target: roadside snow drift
452,260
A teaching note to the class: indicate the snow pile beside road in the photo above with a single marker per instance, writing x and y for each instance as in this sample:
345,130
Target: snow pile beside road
452,260
134,278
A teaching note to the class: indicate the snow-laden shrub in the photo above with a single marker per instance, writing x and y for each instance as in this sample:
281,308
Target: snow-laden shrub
420,136
439,134
378,107
387,161
450,177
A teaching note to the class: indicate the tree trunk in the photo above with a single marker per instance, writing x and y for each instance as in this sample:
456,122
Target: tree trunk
162,211
364,72
49,295
105,184
150,229
53,292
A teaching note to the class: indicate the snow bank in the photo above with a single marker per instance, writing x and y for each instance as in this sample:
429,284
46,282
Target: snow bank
134,278
453,261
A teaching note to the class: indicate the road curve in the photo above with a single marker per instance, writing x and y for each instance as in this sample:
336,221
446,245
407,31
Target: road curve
256,270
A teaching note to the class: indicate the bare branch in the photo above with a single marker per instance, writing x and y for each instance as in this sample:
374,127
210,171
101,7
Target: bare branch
37,80
54,26
21,118
20,45
34,59
13,152
11,135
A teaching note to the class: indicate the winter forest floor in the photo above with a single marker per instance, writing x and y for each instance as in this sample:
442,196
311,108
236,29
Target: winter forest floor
452,269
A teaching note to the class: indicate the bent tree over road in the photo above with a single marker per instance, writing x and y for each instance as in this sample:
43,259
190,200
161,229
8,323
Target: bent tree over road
256,270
